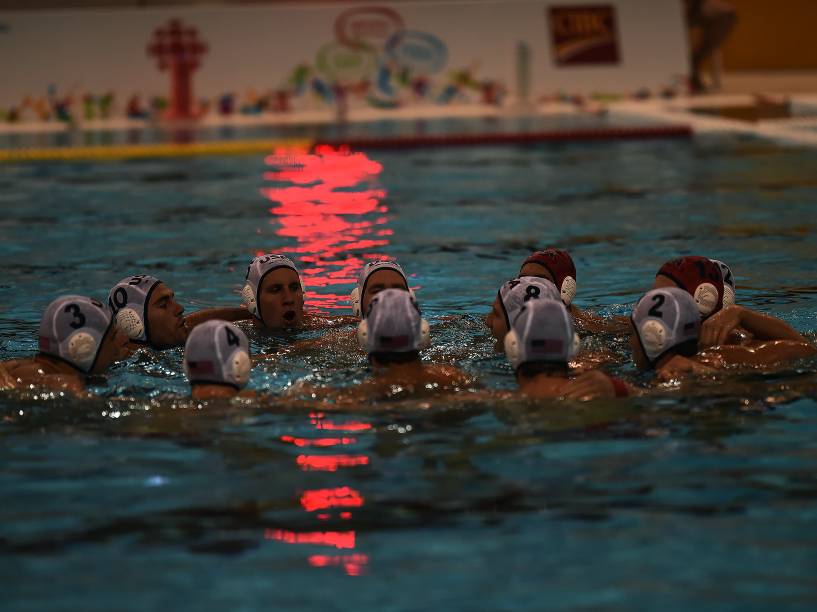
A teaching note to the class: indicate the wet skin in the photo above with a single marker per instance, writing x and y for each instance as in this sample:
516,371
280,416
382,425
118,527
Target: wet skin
281,299
377,282
166,326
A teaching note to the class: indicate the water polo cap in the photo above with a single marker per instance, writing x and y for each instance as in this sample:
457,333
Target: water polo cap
728,283
72,329
363,278
542,331
129,301
393,324
256,271
663,319
561,267
217,352
701,278
517,292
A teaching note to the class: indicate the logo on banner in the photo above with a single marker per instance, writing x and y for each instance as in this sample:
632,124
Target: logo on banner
584,35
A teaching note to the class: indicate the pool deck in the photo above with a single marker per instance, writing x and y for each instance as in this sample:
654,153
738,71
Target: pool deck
790,94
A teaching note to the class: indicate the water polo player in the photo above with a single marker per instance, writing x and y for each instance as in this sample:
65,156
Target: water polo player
556,265
540,345
217,360
510,298
375,277
146,309
665,335
77,339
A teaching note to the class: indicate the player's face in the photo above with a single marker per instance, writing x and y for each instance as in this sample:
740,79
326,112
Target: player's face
496,323
377,282
281,299
166,326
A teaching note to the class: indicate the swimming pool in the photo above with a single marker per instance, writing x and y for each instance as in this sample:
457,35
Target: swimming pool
142,499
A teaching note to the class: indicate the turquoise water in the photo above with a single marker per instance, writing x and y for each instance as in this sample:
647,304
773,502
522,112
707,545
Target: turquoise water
700,497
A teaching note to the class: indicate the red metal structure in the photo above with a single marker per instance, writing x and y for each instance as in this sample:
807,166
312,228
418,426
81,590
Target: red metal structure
180,49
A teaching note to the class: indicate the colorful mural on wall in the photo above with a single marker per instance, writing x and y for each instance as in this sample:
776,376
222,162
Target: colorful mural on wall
374,60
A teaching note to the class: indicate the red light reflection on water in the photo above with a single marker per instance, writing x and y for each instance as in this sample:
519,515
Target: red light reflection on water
330,463
329,503
353,564
339,497
329,202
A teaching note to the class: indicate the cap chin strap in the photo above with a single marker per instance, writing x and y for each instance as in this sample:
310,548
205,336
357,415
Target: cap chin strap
706,297
568,290
82,349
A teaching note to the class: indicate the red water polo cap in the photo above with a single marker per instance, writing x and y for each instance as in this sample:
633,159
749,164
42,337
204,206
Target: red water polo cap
561,267
700,277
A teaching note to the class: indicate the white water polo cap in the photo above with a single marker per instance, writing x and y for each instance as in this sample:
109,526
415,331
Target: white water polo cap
542,331
363,279
729,287
72,329
217,352
256,271
664,319
393,324
129,301
515,293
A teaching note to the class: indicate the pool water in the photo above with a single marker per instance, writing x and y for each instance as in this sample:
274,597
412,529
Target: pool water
701,496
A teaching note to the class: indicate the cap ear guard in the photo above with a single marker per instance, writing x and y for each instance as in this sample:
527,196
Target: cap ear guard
425,334
575,346
354,298
239,367
653,334
129,321
512,349
82,349
706,297
363,334
248,297
568,290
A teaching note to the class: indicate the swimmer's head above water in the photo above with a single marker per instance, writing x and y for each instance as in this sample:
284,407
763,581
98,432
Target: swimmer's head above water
556,266
542,338
274,292
510,298
394,330
146,310
217,360
699,276
665,322
375,277
79,331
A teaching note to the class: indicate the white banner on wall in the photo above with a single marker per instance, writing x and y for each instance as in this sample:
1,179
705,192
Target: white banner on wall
385,55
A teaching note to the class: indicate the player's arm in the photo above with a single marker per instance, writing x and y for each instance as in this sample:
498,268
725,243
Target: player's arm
230,313
717,328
